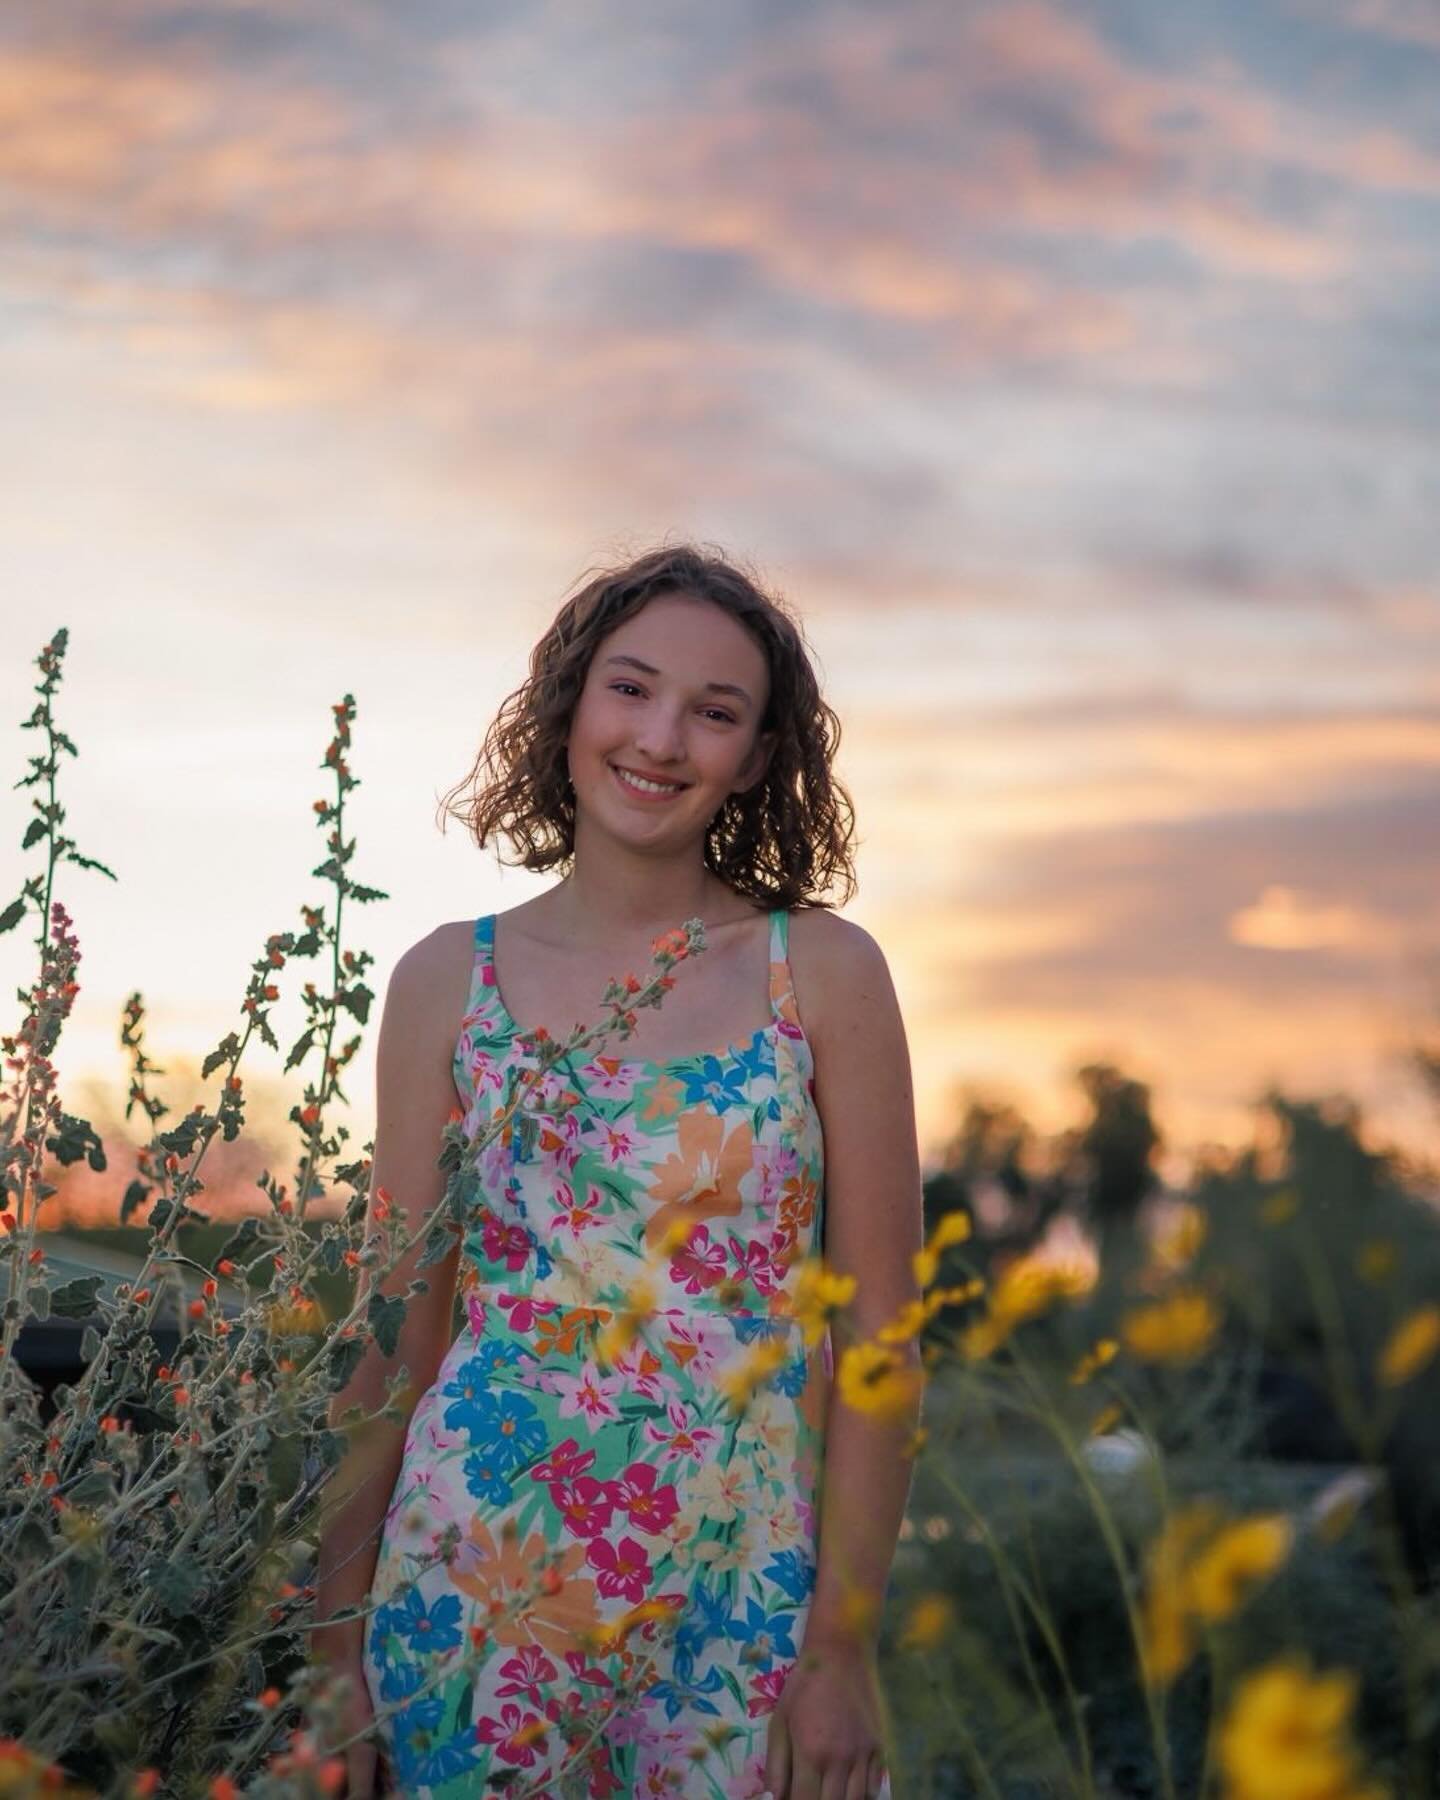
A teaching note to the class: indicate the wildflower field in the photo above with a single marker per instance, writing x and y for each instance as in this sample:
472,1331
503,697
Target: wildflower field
1175,1508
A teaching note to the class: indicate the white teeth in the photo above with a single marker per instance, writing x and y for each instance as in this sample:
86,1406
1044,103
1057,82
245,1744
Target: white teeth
650,787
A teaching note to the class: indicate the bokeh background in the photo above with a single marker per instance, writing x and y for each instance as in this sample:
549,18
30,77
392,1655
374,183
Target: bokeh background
1073,369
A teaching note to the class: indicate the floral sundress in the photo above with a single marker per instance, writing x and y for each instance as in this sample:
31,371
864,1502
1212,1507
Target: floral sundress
662,1542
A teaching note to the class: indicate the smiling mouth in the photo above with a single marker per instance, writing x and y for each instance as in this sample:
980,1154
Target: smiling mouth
652,791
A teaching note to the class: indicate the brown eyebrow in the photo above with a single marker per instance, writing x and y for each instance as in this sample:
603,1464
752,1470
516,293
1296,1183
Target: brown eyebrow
713,687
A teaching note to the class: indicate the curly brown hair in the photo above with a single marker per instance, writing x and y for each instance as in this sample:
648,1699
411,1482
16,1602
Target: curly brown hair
782,843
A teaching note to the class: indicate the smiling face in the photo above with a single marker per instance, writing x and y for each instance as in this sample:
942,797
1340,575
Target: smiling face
674,694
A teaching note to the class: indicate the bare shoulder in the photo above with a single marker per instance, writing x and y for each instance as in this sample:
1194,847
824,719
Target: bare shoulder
842,979
429,984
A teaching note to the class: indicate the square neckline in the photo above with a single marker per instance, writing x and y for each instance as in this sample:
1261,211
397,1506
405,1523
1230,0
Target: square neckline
484,940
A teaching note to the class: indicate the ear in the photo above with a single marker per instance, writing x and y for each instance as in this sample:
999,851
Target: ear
757,762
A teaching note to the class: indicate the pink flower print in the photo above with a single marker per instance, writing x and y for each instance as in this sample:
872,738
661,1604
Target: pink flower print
495,1164
433,1440
584,1504
753,1264
765,1689
508,1241
685,1439
777,1165
513,1742
658,1777
622,1568
586,1395
698,1347
484,1070
576,1216
581,1671
619,1146
526,1670
644,1373
565,1462
650,1508
612,1076
524,1310
753,1783
487,974
476,1310
698,1262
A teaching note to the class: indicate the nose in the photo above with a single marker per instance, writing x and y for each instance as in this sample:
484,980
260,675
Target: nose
658,738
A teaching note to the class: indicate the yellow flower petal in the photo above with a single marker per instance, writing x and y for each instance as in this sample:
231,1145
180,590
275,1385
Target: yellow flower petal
1410,1346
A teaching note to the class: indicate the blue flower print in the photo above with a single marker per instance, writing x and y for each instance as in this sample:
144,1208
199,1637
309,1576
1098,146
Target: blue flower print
467,1391
508,1430
792,1572
494,1354
399,1679
680,1693
486,1480
764,1637
419,1761
424,1628
749,1326
703,1620
791,1380
722,1084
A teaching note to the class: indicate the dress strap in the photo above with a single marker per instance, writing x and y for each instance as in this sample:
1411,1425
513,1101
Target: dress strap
482,969
781,985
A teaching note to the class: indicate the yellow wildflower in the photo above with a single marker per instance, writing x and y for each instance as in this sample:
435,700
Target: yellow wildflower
1174,1329
762,1360
1030,1284
616,1337
1166,1636
951,1228
1243,1554
1105,1418
1410,1346
954,1296
1103,1352
816,1293
875,1379
1199,1570
926,1622
979,1339
1286,1736
676,1236
910,1320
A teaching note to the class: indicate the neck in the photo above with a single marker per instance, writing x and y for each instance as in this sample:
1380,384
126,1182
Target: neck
618,903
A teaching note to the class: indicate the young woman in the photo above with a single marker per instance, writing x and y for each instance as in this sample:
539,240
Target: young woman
704,1582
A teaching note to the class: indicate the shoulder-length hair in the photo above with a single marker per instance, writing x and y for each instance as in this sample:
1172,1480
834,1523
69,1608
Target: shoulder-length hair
782,843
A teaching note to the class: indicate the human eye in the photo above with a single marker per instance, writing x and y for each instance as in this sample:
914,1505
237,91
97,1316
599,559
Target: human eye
615,685
717,712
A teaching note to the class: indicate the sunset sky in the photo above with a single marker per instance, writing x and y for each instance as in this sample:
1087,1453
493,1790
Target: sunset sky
1074,371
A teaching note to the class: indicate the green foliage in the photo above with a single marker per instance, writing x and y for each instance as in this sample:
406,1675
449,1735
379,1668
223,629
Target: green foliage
158,1530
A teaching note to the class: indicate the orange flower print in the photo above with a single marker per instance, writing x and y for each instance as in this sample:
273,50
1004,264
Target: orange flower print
491,1572
701,1178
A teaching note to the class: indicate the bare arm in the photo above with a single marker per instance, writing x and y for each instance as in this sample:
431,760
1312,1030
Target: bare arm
827,1731
415,1096
874,1223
